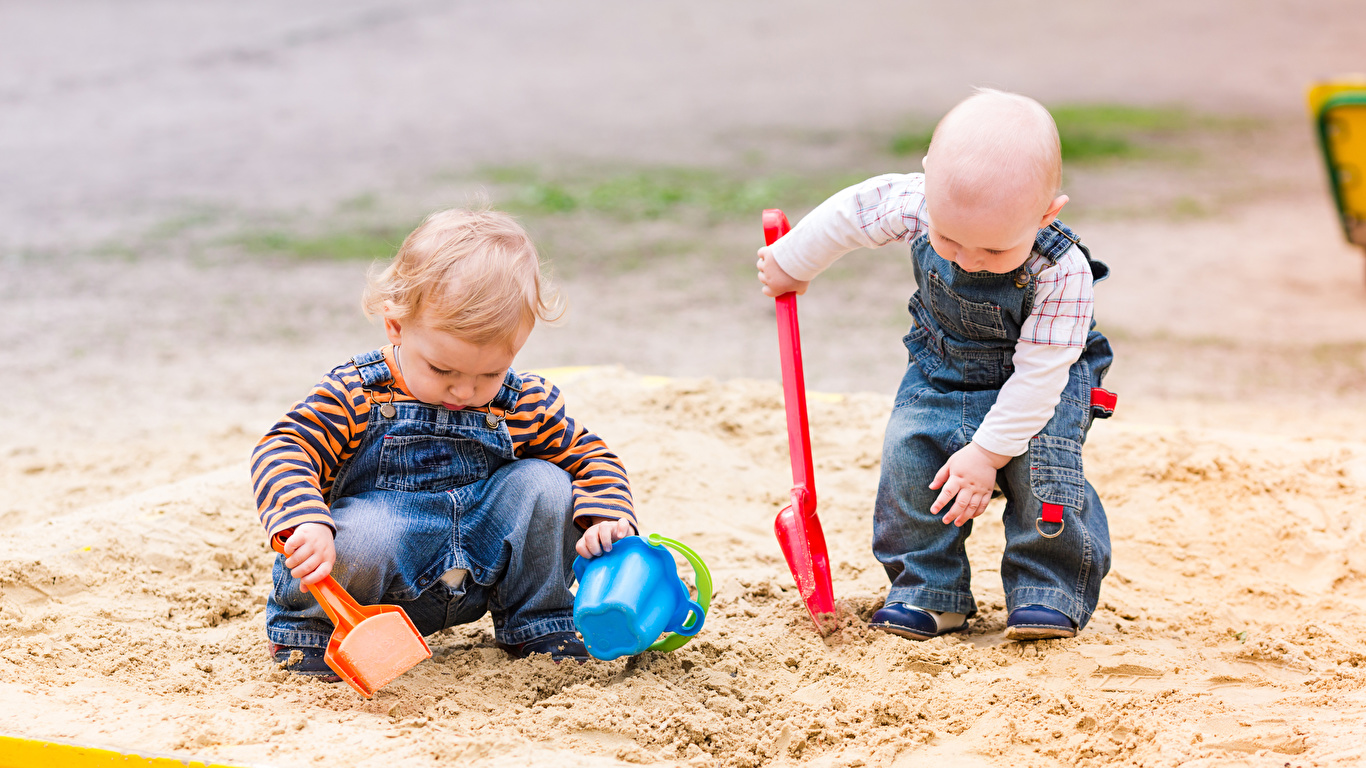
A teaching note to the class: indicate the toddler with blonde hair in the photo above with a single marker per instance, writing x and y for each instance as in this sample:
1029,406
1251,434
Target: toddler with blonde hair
429,473
1003,377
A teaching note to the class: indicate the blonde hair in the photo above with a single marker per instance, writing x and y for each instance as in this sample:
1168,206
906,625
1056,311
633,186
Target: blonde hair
470,273
994,139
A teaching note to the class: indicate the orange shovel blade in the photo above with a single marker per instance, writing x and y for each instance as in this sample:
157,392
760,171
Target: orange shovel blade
370,644
371,654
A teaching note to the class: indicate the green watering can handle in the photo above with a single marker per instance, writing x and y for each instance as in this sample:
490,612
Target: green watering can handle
674,641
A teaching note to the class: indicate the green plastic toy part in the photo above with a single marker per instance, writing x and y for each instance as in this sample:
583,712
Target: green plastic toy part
673,641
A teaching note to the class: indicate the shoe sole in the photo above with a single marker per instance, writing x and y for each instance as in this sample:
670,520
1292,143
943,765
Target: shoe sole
1039,632
910,634
512,652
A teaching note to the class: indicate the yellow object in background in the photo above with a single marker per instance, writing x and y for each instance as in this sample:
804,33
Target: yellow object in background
20,752
1339,112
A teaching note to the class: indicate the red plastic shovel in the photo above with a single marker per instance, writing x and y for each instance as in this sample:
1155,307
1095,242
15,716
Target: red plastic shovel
371,644
798,528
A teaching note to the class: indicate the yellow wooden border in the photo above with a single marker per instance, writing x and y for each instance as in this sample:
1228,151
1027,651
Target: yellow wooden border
23,752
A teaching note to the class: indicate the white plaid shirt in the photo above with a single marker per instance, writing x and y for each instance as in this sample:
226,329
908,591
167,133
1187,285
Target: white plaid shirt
891,208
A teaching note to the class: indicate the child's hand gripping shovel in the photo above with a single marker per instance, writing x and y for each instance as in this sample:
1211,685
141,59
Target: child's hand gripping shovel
372,644
798,529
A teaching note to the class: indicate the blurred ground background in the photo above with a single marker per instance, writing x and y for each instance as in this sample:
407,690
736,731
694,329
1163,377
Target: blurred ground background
192,193
185,180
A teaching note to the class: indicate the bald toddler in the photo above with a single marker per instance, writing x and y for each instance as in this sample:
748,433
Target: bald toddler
1004,371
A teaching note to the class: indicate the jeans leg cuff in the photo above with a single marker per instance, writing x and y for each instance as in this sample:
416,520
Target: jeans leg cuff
297,639
521,633
934,600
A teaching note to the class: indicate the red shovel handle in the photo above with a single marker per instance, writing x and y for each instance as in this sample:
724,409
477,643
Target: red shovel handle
794,383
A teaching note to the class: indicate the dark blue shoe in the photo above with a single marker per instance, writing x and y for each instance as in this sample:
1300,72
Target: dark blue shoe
1035,622
310,663
561,646
914,623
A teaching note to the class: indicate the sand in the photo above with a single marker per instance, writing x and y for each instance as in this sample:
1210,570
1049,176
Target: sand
1229,631
133,571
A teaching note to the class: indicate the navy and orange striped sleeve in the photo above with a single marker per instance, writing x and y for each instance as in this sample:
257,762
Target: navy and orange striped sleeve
293,466
541,429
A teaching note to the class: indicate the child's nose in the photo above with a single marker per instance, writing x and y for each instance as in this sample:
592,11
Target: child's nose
463,390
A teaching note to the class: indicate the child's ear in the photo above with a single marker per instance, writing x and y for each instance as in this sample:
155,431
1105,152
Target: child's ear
393,329
1053,209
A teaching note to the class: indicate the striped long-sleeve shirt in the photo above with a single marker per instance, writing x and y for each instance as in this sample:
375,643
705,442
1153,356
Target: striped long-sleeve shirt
295,463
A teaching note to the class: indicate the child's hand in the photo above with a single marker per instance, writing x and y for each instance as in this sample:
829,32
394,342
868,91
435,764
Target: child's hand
777,281
969,475
310,553
599,537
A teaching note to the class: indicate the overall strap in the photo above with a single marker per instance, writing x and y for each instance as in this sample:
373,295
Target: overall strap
1054,240
510,392
372,368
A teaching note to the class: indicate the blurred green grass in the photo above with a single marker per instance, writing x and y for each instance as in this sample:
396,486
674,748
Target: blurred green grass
1098,133
667,192
363,244
621,216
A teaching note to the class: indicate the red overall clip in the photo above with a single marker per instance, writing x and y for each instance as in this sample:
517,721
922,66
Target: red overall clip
1052,513
1103,399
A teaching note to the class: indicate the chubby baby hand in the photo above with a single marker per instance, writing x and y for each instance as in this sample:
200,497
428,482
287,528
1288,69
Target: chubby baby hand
776,280
310,554
969,475
599,537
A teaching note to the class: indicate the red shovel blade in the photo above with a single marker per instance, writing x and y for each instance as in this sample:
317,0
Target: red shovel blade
803,544
797,527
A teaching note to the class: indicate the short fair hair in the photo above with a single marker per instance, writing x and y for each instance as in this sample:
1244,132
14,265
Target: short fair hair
998,139
474,274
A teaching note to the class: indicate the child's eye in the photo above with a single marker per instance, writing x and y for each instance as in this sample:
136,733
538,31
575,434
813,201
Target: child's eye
438,371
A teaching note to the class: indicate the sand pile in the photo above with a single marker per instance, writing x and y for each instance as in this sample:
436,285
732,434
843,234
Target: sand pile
1230,632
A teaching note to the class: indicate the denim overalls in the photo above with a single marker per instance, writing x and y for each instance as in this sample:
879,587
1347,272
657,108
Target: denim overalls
963,333
429,490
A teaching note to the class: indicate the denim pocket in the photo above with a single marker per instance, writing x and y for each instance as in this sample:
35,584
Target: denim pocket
980,321
427,463
1055,473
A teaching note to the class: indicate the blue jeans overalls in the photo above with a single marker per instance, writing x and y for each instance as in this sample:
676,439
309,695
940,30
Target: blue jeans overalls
963,334
429,490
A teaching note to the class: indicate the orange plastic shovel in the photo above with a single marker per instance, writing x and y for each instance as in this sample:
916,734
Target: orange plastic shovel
798,529
372,644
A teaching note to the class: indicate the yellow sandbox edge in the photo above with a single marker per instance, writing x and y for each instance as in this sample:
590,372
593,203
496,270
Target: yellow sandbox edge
23,752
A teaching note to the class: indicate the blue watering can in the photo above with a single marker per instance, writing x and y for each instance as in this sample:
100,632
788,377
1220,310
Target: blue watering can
630,596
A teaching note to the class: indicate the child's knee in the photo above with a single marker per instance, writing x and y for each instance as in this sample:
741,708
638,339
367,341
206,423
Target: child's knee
369,544
547,485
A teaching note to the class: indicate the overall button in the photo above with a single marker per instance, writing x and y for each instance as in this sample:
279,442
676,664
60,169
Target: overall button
1021,280
424,581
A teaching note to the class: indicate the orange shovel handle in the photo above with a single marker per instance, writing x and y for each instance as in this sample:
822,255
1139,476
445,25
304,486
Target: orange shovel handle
341,608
